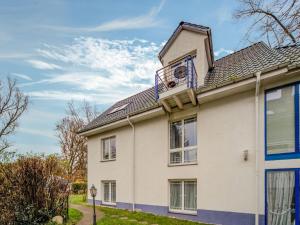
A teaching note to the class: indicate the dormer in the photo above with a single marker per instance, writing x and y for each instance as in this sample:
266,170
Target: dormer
186,58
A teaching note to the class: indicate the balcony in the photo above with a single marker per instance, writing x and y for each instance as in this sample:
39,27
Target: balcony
176,83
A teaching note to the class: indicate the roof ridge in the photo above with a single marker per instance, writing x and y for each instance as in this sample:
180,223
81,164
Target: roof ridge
193,24
288,45
242,49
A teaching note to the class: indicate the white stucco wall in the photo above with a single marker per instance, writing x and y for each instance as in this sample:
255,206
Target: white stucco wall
119,170
223,134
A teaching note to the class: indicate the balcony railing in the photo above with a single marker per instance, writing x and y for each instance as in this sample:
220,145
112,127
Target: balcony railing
175,75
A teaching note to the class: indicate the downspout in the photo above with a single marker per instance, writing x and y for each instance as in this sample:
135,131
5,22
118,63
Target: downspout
133,163
257,89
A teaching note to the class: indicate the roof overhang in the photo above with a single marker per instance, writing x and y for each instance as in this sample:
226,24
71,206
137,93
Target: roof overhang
193,28
124,122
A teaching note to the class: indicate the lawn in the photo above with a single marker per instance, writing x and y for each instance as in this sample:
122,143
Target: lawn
77,199
74,216
114,216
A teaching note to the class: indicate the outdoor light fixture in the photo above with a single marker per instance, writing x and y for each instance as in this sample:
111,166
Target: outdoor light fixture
93,192
246,155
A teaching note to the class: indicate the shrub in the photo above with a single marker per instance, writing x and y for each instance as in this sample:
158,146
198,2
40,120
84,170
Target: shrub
32,190
79,188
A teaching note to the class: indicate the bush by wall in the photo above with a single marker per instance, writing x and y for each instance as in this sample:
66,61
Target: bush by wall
79,188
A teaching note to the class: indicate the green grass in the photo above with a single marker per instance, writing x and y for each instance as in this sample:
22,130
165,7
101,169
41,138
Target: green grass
77,199
74,216
108,218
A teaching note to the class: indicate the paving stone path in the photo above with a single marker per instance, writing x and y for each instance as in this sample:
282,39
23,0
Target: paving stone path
87,212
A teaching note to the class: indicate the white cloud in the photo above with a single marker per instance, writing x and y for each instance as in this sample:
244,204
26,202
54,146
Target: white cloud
23,76
43,65
222,51
111,69
76,96
14,55
139,22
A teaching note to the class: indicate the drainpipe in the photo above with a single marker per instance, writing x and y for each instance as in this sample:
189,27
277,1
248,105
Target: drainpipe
133,163
257,146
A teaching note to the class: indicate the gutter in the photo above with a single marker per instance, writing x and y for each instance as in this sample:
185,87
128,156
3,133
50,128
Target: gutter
257,89
124,122
133,162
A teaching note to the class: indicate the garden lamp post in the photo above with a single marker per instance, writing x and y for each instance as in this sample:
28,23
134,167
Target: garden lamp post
93,192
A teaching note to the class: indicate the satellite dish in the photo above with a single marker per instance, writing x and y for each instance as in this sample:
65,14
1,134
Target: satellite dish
180,72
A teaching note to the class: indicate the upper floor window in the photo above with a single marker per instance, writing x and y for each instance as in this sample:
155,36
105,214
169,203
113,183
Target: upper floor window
282,122
109,148
183,141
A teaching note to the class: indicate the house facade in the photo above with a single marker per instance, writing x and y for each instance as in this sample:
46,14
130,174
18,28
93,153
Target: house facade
215,141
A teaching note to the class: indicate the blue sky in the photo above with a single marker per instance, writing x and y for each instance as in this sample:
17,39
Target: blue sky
100,51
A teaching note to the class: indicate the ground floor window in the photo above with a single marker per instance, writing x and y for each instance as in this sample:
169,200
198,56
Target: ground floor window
282,197
183,196
109,192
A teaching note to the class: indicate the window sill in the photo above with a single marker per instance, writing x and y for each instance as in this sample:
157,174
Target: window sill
282,156
111,204
107,160
192,213
182,164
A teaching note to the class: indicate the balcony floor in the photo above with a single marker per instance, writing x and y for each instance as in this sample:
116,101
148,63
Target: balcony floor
177,97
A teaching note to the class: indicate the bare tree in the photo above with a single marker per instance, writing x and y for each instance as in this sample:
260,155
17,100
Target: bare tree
74,146
12,105
278,21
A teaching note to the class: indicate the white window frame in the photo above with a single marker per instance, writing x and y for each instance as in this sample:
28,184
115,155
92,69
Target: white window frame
109,153
109,182
182,210
183,149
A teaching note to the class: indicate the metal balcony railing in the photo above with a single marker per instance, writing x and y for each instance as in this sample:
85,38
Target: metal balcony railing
175,75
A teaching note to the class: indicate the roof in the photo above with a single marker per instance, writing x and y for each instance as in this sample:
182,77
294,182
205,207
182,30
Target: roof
137,103
235,67
292,52
244,63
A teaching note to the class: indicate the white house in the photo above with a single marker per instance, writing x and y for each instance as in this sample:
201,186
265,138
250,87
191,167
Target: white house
215,141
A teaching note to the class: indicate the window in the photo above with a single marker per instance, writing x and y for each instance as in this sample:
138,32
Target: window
109,148
183,196
282,197
282,122
109,192
119,108
183,141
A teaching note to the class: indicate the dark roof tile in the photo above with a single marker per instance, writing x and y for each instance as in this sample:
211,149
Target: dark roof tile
138,103
242,64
